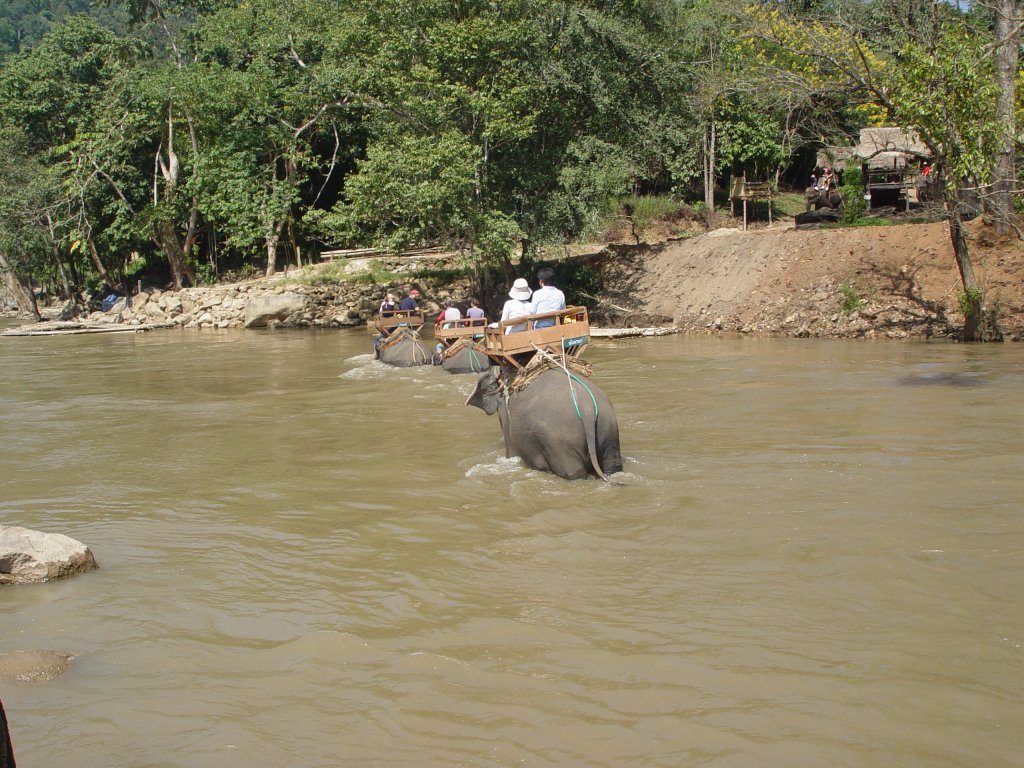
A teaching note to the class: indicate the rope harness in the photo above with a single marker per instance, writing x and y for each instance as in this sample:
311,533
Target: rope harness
478,360
397,337
544,361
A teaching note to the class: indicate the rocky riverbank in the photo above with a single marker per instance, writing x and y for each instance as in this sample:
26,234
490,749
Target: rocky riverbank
303,299
893,282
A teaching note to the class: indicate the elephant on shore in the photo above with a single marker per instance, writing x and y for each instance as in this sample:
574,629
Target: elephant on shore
403,349
557,423
822,198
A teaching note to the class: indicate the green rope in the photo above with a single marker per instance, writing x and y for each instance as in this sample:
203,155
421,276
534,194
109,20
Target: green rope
572,389
473,360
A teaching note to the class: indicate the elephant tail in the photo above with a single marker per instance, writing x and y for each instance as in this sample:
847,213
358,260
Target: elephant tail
589,427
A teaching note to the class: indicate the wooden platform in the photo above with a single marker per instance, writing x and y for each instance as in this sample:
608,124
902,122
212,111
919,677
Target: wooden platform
464,328
71,327
570,335
386,322
750,192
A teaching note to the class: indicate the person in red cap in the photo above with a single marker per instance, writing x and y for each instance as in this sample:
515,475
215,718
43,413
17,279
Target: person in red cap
409,302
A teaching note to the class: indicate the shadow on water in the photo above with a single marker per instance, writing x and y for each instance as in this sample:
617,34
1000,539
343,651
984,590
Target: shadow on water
943,380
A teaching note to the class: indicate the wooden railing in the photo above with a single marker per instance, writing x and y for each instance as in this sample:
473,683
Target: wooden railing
449,331
387,321
570,332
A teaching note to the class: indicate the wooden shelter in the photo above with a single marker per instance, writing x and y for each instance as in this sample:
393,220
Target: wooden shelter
891,159
749,192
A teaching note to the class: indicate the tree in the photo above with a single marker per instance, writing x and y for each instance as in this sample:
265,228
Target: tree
931,77
1006,54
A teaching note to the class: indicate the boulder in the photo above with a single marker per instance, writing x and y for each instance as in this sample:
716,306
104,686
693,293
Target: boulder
28,556
811,218
261,310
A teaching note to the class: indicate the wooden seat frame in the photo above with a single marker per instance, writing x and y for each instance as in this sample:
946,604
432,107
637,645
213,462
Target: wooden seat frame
463,328
387,321
569,335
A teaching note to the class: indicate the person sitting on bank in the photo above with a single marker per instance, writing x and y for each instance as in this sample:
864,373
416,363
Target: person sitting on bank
409,302
518,305
475,312
547,298
447,316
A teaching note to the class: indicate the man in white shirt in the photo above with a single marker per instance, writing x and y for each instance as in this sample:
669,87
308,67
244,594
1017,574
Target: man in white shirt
547,298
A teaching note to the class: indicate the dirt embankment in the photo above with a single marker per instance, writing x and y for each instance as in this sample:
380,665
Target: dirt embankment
896,282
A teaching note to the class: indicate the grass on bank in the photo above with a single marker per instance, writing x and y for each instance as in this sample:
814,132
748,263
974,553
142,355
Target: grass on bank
375,273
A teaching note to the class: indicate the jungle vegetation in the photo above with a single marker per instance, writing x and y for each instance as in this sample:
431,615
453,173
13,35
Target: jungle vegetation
200,136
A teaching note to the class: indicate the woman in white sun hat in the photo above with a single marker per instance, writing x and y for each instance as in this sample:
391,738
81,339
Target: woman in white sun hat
518,304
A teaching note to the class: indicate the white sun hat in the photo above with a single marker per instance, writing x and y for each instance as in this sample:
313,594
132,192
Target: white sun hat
520,289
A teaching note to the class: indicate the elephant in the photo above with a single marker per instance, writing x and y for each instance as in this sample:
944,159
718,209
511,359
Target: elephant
403,349
558,424
463,357
822,198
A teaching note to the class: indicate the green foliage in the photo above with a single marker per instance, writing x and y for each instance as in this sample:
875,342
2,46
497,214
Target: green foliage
410,191
647,209
946,92
970,301
580,284
477,125
851,298
590,184
206,273
853,194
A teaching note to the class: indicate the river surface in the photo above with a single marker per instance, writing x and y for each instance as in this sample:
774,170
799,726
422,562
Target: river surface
815,557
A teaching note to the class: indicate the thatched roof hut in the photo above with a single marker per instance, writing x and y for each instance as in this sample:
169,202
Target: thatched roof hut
881,148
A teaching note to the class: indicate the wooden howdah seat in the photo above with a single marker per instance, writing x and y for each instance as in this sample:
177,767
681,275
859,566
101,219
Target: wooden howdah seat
569,335
471,328
386,322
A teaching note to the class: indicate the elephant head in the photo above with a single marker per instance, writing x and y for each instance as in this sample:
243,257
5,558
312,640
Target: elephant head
822,198
558,423
487,393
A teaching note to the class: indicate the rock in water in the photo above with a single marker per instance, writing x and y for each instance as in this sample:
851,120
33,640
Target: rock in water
28,556
32,666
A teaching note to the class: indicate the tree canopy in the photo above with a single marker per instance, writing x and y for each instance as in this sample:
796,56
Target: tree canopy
201,133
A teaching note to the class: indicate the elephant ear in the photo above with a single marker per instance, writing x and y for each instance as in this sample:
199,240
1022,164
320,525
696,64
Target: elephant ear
485,393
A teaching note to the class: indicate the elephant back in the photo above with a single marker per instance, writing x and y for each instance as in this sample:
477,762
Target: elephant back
540,365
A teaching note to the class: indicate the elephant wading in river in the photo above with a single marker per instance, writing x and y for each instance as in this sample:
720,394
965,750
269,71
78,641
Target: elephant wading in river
464,357
404,349
822,198
556,423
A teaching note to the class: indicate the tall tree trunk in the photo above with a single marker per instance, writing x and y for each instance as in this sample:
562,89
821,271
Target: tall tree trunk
100,269
979,324
19,289
1007,32
710,153
165,231
272,238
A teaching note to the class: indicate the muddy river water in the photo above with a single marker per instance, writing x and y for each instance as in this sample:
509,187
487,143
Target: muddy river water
815,557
